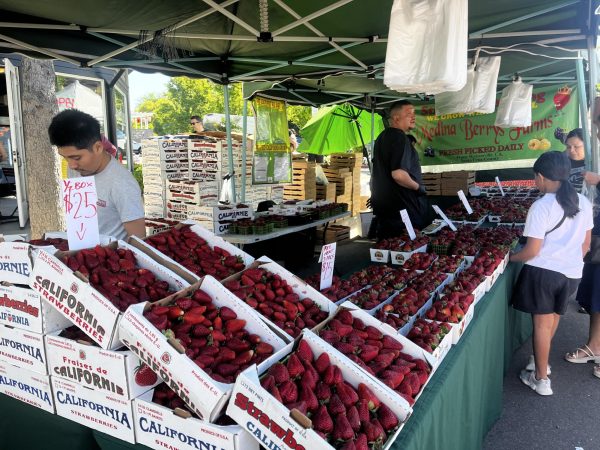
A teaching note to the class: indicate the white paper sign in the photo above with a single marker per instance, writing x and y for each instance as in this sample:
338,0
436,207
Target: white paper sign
327,262
437,209
465,202
79,201
500,186
408,224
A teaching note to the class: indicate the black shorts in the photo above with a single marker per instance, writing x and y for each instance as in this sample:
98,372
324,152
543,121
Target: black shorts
543,291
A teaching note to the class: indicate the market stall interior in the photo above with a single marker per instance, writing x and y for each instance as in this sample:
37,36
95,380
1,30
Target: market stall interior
186,339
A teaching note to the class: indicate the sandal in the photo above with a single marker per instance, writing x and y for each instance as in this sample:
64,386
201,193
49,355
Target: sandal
574,357
597,370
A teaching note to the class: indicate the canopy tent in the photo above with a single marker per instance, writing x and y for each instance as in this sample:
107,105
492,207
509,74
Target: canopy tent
336,129
77,96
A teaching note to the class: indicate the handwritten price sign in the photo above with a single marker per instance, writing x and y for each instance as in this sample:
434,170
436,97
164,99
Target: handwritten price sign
79,201
327,262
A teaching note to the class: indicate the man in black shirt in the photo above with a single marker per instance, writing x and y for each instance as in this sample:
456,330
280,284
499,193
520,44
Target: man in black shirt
396,179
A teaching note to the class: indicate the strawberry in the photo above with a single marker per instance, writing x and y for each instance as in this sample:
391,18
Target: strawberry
289,391
323,392
126,264
363,410
389,342
360,443
322,420
235,325
254,274
144,376
307,395
345,317
310,377
330,336
368,352
335,405
374,431
276,394
344,347
365,394
279,372
342,430
322,363
267,382
387,418
227,313
294,366
353,418
348,445
405,389
243,358
347,393
304,352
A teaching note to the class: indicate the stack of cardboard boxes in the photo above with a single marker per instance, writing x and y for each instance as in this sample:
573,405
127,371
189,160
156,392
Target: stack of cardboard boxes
353,163
448,183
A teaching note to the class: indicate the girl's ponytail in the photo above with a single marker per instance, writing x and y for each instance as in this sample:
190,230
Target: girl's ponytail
556,167
566,196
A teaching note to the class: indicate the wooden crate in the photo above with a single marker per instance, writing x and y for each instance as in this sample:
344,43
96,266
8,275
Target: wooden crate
349,160
326,191
334,233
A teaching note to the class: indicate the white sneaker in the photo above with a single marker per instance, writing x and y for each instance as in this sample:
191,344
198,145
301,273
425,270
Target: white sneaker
530,367
542,387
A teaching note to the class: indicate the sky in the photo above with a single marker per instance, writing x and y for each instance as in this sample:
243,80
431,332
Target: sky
142,84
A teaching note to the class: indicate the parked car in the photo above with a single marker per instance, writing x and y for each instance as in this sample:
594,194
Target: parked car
136,147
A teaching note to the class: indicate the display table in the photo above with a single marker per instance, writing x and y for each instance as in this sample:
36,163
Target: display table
241,239
457,408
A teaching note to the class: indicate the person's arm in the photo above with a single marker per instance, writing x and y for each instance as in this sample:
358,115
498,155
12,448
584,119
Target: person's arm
136,228
530,250
585,247
591,178
402,177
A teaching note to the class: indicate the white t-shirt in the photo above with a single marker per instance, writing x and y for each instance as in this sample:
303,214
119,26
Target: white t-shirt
561,249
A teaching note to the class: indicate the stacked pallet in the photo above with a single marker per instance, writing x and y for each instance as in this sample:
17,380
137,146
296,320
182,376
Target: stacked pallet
352,162
342,177
432,183
326,192
304,181
452,182
333,233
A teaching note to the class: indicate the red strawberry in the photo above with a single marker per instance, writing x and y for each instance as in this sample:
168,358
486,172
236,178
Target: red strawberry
368,353
392,378
323,392
322,363
373,333
387,418
347,393
329,336
227,313
307,395
268,382
415,384
344,347
279,372
389,342
288,391
348,445
365,394
304,351
374,431
335,405
405,388
322,420
263,348
362,407
342,430
144,376
294,366
353,418
360,443
235,325
276,393
310,377
345,317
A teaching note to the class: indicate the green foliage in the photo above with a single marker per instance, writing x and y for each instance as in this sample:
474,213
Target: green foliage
187,97
299,115
137,174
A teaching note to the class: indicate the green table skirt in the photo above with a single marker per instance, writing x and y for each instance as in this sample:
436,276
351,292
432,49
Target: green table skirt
457,408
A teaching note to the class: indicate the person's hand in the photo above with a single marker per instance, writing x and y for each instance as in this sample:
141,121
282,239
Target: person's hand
591,178
422,190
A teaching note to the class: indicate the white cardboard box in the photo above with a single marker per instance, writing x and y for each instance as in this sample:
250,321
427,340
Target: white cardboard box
24,308
400,258
27,386
15,262
103,412
82,304
23,349
379,255
205,396
269,421
109,371
159,427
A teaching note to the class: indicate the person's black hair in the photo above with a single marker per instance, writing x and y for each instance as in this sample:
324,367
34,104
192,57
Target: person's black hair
556,166
577,132
197,118
72,127
398,105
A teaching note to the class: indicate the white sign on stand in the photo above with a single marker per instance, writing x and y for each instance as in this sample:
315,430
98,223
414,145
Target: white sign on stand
465,202
408,224
79,201
437,209
500,186
327,262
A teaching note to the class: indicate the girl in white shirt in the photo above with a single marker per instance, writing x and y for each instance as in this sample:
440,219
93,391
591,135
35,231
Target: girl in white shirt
558,230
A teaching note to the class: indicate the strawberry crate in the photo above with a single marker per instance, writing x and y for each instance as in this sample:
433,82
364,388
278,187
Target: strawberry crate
165,354
398,258
23,349
375,329
159,427
26,386
149,246
115,372
74,297
298,291
379,255
275,426
442,348
24,308
94,409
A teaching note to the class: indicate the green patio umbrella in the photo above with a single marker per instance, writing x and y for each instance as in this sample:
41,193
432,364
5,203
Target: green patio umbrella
337,129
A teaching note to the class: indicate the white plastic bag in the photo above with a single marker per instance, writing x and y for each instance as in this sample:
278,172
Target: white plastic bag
459,101
427,46
320,175
514,109
227,191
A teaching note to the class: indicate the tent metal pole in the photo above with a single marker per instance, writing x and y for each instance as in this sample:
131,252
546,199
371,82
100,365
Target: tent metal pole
41,50
593,74
527,33
178,25
308,18
528,69
229,145
244,144
232,17
293,63
583,116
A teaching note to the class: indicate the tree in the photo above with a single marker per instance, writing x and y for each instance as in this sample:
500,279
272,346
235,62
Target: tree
299,115
42,163
186,97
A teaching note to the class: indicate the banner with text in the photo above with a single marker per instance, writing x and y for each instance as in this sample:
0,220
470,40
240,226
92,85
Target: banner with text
473,142
272,162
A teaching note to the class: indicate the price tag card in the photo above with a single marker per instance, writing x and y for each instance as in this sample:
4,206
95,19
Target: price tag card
79,200
465,202
408,224
440,213
500,186
327,262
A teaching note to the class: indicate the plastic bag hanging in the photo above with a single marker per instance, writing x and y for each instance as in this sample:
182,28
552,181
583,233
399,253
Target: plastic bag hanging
227,190
427,46
459,101
514,109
